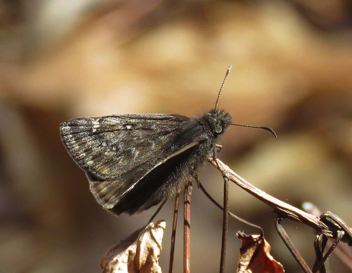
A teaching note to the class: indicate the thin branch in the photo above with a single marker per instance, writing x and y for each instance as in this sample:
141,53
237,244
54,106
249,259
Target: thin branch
224,225
286,239
173,234
317,267
343,251
187,228
282,208
229,212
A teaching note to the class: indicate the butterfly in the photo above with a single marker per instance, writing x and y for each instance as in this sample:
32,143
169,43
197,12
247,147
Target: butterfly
134,162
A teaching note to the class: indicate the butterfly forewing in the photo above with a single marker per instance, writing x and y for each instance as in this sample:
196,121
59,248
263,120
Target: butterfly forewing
107,147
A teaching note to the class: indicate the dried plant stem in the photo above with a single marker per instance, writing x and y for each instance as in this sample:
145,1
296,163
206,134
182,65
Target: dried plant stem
283,209
342,252
187,228
173,234
224,225
290,246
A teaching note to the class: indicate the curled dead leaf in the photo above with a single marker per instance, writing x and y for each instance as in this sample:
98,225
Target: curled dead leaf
138,253
255,256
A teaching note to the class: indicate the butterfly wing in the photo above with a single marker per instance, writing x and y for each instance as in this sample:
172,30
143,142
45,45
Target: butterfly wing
105,146
159,183
117,152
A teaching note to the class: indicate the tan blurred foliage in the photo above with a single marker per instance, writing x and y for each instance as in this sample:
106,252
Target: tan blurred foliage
292,63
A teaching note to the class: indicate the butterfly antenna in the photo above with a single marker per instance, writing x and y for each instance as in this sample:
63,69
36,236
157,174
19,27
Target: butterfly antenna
257,127
222,85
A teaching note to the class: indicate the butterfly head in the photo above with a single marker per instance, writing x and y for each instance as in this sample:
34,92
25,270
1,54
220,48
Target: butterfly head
218,121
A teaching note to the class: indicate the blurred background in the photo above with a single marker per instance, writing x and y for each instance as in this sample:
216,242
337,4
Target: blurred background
292,71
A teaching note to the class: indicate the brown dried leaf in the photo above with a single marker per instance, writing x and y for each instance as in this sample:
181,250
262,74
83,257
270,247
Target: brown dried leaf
255,256
138,253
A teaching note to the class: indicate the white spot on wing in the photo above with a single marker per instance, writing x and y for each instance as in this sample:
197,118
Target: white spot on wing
90,162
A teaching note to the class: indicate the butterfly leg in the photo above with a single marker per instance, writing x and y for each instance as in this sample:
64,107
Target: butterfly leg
157,211
196,178
216,150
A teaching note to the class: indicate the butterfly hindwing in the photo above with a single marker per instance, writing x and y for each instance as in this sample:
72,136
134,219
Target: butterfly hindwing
160,182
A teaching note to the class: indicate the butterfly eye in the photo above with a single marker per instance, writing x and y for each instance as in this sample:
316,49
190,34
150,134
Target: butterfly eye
218,129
